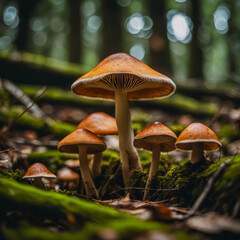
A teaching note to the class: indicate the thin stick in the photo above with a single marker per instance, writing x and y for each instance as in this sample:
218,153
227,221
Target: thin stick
25,110
208,188
111,177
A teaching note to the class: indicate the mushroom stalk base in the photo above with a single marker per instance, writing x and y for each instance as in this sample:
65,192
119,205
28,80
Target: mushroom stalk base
90,188
197,153
96,167
156,153
128,153
38,182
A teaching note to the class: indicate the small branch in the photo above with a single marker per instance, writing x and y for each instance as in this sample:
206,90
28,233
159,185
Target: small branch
111,177
208,188
25,110
23,98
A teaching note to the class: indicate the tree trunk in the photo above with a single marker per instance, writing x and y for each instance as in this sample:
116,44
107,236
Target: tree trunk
112,39
196,54
74,38
25,10
159,45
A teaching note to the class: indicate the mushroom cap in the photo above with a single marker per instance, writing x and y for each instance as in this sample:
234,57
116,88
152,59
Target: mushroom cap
123,72
71,163
70,143
198,133
67,175
156,133
99,123
38,170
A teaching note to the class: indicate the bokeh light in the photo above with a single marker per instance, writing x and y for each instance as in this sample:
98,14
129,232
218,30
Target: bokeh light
179,27
10,17
94,23
221,17
140,26
137,51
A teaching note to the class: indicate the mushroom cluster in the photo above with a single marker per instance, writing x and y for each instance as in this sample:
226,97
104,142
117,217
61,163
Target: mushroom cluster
121,77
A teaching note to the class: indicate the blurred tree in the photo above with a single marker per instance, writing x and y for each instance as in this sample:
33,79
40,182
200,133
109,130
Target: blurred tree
26,11
196,54
112,32
74,37
159,45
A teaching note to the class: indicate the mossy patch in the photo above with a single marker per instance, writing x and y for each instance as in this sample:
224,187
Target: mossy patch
53,159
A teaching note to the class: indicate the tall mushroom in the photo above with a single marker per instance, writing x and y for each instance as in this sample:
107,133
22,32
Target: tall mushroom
83,142
198,138
123,77
101,124
38,171
156,138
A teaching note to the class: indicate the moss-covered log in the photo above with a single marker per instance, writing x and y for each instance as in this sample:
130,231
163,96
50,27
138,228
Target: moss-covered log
34,69
178,103
182,183
27,121
87,218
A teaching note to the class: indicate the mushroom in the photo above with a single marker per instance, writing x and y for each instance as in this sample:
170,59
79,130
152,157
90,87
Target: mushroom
37,171
83,142
123,77
198,138
101,124
68,176
156,138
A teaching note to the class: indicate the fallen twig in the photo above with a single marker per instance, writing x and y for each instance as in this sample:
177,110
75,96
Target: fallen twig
24,111
23,98
207,189
111,177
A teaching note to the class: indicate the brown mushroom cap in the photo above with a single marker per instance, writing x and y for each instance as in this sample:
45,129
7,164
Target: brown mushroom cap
123,72
156,133
99,123
67,175
38,170
70,143
198,133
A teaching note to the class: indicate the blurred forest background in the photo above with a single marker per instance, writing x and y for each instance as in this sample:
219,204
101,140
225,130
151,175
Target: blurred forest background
183,39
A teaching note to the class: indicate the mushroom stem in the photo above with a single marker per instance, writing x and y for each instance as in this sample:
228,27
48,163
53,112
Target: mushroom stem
90,188
128,153
197,153
96,167
38,182
153,168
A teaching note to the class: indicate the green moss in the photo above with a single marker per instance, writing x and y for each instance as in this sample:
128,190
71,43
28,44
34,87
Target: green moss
188,104
177,128
15,175
228,133
93,216
58,94
52,159
26,120
47,63
61,128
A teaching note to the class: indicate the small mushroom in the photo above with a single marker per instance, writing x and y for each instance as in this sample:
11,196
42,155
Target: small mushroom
198,138
122,77
83,142
70,177
101,124
156,138
37,171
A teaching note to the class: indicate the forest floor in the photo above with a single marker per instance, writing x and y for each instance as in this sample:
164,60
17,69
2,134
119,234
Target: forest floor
186,201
